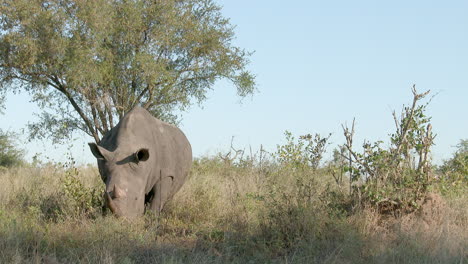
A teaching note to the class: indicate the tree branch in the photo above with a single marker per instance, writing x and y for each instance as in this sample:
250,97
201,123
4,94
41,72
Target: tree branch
95,120
404,131
349,142
77,108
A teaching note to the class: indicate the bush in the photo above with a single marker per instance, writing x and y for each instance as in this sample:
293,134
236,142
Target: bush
292,196
54,192
82,200
394,179
306,152
453,174
10,154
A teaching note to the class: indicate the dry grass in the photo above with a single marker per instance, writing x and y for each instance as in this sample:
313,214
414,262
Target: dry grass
225,214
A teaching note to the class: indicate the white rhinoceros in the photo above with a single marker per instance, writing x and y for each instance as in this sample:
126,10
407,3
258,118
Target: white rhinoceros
143,162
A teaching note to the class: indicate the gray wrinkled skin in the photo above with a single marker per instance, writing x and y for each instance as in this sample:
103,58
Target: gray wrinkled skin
142,161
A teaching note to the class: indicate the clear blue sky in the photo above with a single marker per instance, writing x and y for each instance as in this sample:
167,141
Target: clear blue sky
318,65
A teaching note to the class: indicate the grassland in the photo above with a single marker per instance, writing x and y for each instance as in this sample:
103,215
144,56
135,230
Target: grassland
225,213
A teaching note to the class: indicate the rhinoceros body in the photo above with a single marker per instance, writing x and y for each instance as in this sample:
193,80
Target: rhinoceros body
143,162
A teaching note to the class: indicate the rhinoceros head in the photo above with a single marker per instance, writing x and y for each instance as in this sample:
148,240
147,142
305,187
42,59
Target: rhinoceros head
125,172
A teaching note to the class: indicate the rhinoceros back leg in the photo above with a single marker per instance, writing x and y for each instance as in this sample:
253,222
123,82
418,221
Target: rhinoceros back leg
161,192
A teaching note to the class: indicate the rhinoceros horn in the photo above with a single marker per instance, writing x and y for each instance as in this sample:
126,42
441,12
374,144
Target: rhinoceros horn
112,206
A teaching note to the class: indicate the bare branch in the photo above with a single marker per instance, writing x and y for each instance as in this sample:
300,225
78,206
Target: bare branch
349,146
228,158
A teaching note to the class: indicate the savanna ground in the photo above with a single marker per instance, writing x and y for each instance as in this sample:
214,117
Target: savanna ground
247,211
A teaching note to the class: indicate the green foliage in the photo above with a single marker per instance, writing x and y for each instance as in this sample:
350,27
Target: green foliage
81,199
453,174
306,152
458,164
395,179
10,154
87,63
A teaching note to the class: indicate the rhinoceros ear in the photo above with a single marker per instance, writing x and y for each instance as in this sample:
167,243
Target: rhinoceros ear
100,152
142,155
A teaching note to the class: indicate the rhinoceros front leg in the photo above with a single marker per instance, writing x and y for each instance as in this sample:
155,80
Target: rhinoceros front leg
161,192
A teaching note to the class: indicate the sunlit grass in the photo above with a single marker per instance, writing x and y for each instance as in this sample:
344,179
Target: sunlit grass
224,213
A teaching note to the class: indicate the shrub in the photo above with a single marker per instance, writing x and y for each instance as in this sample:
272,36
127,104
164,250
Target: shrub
396,178
306,152
453,174
10,154
82,199
293,209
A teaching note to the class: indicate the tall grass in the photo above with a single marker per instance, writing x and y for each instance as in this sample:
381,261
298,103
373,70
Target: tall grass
226,212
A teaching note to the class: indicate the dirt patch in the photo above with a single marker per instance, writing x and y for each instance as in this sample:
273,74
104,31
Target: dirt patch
432,210
430,213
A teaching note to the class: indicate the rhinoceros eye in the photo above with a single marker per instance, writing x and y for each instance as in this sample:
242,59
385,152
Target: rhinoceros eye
141,155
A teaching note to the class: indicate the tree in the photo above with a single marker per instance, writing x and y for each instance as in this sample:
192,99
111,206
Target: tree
458,164
86,63
10,155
